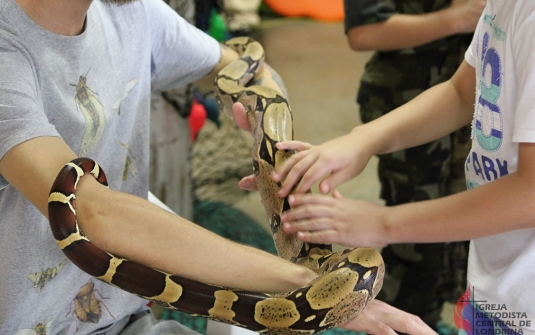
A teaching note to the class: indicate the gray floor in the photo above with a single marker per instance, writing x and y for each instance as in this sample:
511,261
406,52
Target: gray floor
321,74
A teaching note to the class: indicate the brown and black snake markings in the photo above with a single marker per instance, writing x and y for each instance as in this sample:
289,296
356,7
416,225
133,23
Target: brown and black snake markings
347,280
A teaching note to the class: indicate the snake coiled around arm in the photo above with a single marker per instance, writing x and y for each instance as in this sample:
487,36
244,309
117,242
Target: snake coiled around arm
347,279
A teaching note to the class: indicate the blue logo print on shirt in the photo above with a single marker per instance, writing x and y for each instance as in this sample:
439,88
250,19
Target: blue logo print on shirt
487,106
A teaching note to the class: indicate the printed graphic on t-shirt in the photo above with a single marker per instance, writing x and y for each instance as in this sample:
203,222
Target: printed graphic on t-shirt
87,306
128,87
91,108
487,168
488,123
40,279
128,164
38,329
488,126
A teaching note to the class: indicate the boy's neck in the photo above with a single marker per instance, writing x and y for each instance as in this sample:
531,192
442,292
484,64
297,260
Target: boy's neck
60,17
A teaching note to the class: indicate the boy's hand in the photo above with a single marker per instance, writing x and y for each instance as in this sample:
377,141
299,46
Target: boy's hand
240,118
249,183
332,163
317,218
380,318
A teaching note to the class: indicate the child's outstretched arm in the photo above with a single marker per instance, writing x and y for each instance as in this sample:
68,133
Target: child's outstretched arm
503,205
317,218
497,207
433,114
401,31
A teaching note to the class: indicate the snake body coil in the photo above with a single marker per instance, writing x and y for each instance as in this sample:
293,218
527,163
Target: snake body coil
347,280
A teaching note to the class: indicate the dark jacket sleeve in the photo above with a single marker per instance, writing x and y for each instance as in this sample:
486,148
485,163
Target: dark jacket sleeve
361,12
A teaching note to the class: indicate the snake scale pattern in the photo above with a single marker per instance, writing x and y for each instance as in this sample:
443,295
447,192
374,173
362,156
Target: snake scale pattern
347,280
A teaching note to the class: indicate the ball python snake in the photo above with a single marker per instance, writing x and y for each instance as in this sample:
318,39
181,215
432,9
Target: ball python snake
347,279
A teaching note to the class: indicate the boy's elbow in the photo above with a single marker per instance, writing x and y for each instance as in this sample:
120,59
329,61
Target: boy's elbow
356,41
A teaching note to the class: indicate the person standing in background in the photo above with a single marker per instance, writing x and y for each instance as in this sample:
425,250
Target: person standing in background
418,44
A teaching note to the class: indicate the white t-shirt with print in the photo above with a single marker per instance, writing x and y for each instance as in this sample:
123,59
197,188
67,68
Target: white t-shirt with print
501,267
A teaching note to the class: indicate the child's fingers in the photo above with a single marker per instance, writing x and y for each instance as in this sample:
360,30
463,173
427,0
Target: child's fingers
309,198
293,145
320,236
314,173
368,324
281,172
308,225
407,324
240,117
248,183
303,175
337,195
399,320
291,172
333,180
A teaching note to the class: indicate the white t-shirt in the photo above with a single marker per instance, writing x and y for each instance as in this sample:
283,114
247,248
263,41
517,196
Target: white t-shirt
502,267
94,91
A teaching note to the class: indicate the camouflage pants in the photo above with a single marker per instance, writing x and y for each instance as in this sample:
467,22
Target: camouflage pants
421,277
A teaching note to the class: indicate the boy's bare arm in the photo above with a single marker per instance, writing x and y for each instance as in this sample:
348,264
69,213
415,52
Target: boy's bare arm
131,227
503,205
433,114
402,31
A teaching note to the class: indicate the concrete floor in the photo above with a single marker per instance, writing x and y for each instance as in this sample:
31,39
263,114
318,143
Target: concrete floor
322,75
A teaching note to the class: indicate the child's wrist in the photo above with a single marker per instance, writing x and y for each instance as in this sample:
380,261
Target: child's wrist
388,226
368,140
452,20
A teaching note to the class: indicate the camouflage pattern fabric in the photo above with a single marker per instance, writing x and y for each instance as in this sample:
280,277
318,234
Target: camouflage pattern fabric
420,277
